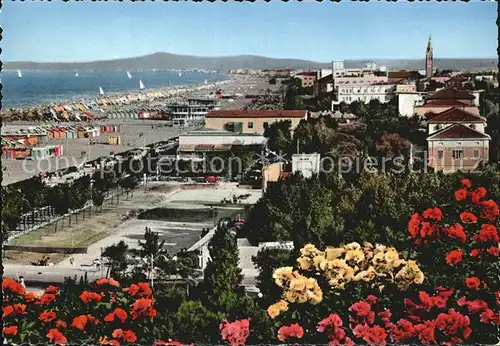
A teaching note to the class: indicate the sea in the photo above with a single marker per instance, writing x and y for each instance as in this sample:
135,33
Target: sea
37,87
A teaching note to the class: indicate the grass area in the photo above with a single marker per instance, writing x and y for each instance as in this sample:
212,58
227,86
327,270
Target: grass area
184,215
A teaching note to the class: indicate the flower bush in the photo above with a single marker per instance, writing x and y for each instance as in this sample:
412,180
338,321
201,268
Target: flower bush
107,314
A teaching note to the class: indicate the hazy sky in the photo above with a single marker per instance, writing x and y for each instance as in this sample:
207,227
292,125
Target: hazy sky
72,31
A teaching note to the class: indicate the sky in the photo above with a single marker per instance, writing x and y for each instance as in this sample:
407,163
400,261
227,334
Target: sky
322,32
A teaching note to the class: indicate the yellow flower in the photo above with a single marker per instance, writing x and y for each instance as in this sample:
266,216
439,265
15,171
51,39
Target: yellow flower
378,259
391,256
305,263
352,246
275,309
282,275
366,275
409,274
310,250
291,296
355,255
317,260
380,248
298,284
367,246
333,253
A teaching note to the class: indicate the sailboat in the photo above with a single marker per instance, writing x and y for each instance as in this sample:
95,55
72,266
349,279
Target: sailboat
141,85
206,81
19,74
180,74
76,74
101,92
129,75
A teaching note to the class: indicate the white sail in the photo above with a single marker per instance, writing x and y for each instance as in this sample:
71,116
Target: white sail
141,85
206,82
19,74
101,92
76,74
180,74
129,75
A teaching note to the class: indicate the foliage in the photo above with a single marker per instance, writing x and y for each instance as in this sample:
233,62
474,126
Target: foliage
279,136
116,257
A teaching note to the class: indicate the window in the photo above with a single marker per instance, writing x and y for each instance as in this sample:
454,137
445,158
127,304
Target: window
472,126
476,153
440,154
250,124
437,128
266,125
458,154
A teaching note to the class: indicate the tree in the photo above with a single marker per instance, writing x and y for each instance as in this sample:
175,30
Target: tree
58,198
13,206
116,257
222,277
79,195
392,144
35,192
279,136
196,323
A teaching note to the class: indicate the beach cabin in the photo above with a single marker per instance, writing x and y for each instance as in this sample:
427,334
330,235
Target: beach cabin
71,133
94,131
39,153
50,133
81,132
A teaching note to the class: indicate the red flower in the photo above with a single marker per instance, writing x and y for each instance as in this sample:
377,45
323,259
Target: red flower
497,297
87,297
476,252
425,332
477,305
385,316
13,286
457,232
493,251
129,336
11,330
489,316
376,336
80,322
454,324
56,337
489,210
460,194
413,225
333,321
478,195
487,233
142,306
433,214
292,331
236,333
468,217
117,333
61,324
106,281
371,299
47,316
454,257
473,283
361,308
30,296
121,314
402,332
103,340
46,298
52,290
466,183
142,289
109,317
7,310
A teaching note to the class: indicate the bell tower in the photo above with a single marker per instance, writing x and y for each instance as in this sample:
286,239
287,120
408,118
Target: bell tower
428,59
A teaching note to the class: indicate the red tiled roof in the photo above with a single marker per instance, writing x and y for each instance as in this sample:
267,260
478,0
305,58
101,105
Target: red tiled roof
457,131
257,114
456,115
402,74
444,103
452,93
307,73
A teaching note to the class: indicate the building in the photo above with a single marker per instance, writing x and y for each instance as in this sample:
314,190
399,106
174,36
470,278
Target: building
451,97
429,60
399,76
194,143
407,101
270,173
307,79
191,110
382,92
323,85
251,121
457,140
307,164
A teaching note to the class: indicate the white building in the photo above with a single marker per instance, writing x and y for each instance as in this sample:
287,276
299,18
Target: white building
307,164
350,93
408,100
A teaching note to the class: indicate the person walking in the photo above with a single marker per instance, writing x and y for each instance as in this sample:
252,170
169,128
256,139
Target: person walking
21,281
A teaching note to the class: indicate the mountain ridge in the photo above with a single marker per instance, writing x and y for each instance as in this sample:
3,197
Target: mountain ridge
162,61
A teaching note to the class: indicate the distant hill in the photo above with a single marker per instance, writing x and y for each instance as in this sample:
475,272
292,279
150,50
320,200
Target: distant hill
162,61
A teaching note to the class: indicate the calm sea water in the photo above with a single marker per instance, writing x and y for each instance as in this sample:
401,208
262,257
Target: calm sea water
43,86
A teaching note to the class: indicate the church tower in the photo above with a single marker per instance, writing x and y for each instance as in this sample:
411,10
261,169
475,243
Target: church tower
428,59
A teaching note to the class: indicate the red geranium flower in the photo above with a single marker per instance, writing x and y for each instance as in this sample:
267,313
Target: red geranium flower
489,210
402,332
56,337
425,332
476,252
121,314
376,336
142,289
468,217
371,299
13,286
457,232
107,281
80,322
478,195
466,183
30,297
292,331
87,297
473,283
433,214
7,310
47,316
489,316
487,233
61,324
52,290
11,330
129,336
454,257
413,225
493,250
46,298
142,306
460,194
385,316
236,333
117,333
103,340
109,317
